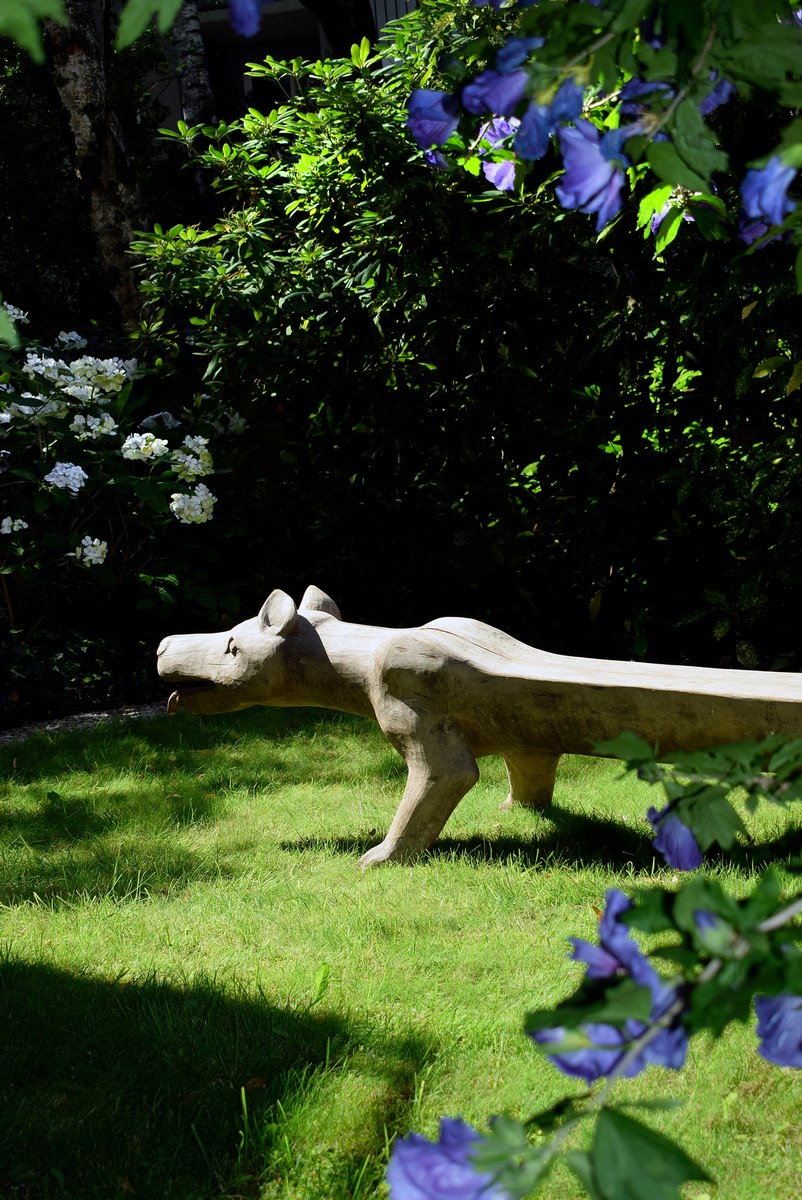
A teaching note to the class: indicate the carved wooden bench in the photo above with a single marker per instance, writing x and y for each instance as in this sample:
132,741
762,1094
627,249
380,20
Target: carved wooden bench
454,690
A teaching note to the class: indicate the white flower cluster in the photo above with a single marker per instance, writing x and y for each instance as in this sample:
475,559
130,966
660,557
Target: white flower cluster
195,508
91,551
12,524
67,475
91,428
143,447
71,341
194,460
84,378
38,412
16,314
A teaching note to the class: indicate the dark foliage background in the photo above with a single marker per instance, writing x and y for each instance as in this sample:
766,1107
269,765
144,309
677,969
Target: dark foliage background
459,402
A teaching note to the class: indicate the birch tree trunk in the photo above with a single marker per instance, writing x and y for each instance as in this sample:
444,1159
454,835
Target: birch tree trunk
189,56
80,58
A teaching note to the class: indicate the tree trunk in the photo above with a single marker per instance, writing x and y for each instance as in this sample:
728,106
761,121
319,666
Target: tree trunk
80,57
345,22
189,55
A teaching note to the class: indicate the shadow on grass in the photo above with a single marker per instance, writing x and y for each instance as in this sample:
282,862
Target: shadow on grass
169,743
568,840
136,1088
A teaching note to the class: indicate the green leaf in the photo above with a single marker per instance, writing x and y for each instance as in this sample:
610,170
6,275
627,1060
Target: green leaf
696,142
8,331
768,365
668,166
361,53
582,1166
609,1003
711,817
632,1162
668,230
137,15
652,203
627,746
19,21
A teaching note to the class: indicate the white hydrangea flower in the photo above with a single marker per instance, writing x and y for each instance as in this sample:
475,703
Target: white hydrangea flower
91,551
72,341
91,428
236,423
143,447
194,461
79,391
160,418
12,524
104,374
193,509
16,314
40,411
54,370
67,475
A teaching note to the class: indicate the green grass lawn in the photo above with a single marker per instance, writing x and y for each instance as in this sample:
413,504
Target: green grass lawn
174,896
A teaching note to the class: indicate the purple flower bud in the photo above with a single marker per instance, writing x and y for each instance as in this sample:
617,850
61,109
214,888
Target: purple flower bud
437,160
496,93
245,16
674,840
779,1029
422,1170
432,116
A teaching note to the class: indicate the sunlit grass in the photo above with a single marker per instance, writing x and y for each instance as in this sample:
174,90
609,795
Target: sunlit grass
170,893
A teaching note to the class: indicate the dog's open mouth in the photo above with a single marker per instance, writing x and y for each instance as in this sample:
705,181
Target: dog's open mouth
186,689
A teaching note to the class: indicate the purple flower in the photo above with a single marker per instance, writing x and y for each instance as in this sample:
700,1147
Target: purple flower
437,160
422,1170
605,1045
495,92
591,183
720,93
501,174
245,16
432,116
674,840
540,121
516,51
532,139
633,91
779,1028
617,952
763,192
567,103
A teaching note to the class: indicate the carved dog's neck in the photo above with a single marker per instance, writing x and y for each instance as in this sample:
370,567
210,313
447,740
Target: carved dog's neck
329,663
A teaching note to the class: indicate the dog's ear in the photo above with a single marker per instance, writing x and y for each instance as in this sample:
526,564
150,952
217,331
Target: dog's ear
314,600
278,615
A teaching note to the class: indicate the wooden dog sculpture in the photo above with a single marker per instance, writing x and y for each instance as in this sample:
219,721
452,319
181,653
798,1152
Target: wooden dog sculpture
455,690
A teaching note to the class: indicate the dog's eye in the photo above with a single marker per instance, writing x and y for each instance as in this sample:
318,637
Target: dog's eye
231,648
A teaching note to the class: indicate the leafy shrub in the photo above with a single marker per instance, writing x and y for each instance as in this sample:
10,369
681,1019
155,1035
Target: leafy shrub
99,497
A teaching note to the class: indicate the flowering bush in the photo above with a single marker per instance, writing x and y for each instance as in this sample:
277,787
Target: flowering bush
623,89
729,960
95,487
